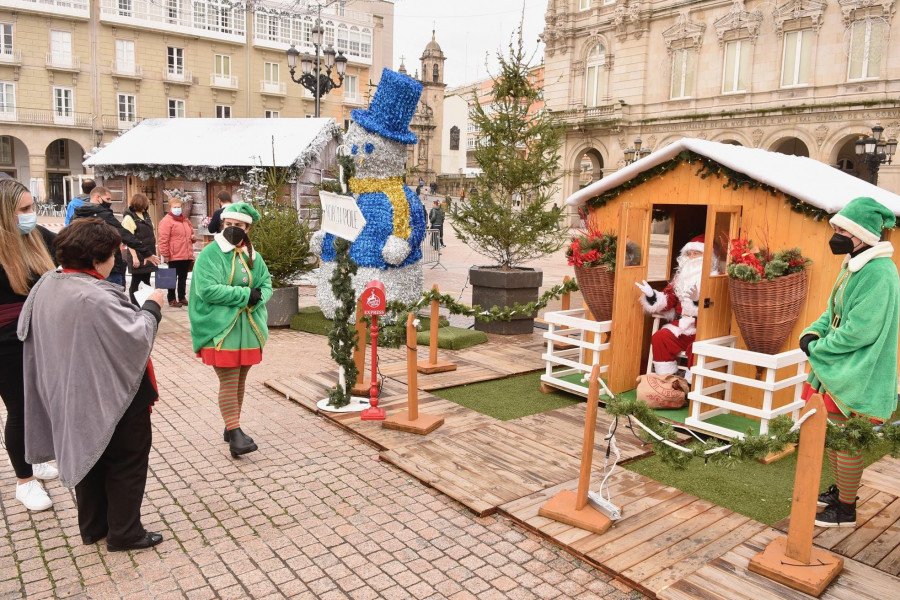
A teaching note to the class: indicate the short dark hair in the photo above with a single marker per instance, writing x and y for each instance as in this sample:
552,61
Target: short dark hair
224,196
87,185
84,242
99,191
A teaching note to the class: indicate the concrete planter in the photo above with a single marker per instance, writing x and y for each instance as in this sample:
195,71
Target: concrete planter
494,287
282,306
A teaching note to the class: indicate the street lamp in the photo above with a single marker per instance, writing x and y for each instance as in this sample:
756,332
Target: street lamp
636,152
874,151
313,77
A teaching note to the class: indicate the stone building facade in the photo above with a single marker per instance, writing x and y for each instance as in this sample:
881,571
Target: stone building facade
74,74
804,77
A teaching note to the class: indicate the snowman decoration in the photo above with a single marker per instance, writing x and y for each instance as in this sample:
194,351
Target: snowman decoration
388,248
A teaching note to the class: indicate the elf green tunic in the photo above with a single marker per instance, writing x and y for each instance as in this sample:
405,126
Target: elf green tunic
224,330
855,358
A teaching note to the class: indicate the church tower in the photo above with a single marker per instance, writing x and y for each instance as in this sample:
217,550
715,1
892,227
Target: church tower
429,118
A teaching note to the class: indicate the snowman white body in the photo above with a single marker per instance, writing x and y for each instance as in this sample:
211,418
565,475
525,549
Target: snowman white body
389,246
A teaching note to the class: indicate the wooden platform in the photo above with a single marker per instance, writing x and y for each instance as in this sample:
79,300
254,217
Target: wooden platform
883,475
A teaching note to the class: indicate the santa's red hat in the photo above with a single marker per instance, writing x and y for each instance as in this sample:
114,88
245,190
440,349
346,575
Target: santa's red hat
696,244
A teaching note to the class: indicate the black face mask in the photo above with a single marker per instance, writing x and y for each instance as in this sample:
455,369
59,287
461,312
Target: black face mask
105,204
840,244
234,235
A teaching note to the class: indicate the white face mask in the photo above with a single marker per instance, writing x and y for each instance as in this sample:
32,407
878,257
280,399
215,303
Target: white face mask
176,211
27,222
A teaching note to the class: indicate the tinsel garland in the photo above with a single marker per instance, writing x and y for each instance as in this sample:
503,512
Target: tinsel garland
856,433
342,338
734,180
394,333
392,187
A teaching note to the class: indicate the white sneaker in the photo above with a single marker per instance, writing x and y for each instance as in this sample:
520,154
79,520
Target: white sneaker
33,495
45,471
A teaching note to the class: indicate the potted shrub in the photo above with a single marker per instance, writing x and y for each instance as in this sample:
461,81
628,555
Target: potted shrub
767,293
592,253
505,217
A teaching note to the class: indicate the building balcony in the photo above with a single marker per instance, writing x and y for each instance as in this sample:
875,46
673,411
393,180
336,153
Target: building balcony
67,8
118,123
57,62
607,112
223,82
273,88
11,57
7,114
126,70
182,77
196,18
49,117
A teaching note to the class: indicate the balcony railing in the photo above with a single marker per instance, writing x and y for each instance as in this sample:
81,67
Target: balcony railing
63,63
113,122
609,111
43,116
129,70
195,17
183,77
8,56
223,81
273,88
72,8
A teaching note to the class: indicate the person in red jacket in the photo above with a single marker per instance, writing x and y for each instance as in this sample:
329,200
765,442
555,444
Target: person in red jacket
176,246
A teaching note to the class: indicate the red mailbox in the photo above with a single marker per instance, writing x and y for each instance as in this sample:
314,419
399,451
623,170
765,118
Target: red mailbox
374,304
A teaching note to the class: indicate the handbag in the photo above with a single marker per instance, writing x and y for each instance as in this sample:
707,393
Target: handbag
165,278
662,391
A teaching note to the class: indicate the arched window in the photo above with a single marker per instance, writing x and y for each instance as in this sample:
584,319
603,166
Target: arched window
436,74
454,138
595,76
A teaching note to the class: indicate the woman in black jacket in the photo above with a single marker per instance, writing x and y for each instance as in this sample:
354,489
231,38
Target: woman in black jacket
24,257
137,220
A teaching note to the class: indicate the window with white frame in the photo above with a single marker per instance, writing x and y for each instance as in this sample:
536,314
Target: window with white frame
61,47
173,7
125,8
127,112
354,45
796,66
867,44
351,87
223,65
175,60
63,102
6,38
343,38
584,4
223,111
272,72
124,56
176,108
272,114
683,65
470,143
736,70
329,33
595,76
7,99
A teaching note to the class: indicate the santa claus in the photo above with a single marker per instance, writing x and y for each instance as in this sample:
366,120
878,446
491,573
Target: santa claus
677,303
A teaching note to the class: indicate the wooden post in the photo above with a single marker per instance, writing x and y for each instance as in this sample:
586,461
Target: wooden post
572,508
360,388
567,297
434,365
792,560
410,420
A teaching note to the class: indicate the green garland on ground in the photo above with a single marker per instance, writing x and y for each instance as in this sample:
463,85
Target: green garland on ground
343,337
857,432
394,334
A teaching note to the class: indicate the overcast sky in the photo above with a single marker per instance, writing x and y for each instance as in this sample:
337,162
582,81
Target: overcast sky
465,29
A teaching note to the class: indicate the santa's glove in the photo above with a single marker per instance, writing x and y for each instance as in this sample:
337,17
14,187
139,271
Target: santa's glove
805,341
255,295
646,289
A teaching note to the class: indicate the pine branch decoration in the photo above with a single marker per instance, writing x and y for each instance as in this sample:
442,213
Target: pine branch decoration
342,338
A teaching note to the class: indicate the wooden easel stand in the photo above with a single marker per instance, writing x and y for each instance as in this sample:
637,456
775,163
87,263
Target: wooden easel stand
410,420
434,365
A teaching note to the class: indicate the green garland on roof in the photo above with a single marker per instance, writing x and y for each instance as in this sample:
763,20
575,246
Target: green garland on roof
734,180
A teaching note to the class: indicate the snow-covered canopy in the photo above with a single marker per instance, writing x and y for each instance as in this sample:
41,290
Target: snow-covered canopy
808,180
210,149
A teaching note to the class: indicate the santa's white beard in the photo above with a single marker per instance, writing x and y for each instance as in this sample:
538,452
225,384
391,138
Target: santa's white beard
687,279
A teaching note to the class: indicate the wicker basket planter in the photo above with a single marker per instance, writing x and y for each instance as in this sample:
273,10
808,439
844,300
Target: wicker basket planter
766,311
597,285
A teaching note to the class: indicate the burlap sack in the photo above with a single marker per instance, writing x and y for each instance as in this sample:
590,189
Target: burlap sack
662,391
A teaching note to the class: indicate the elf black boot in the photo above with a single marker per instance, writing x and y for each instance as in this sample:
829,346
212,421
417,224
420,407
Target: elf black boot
226,437
837,515
240,443
826,498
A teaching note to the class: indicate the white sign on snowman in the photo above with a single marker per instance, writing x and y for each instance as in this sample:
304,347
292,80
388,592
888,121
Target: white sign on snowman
341,216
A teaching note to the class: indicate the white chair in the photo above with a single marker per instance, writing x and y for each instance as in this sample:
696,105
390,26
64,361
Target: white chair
681,359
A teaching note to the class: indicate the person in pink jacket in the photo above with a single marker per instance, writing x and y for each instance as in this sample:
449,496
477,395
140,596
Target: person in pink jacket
176,246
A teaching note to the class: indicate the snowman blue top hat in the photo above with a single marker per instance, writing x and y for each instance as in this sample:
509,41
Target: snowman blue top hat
392,108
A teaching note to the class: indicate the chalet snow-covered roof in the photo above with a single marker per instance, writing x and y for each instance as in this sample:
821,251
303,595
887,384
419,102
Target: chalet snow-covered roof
202,148
806,179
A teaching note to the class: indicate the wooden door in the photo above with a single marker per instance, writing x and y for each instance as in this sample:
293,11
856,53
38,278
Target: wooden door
723,223
628,320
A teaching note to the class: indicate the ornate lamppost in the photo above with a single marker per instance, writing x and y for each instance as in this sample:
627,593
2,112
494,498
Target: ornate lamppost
314,78
636,152
874,151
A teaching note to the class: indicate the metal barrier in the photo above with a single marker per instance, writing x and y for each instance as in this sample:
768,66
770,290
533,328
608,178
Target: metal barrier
431,249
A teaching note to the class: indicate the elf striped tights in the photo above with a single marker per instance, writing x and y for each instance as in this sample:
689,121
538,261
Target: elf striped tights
231,393
846,466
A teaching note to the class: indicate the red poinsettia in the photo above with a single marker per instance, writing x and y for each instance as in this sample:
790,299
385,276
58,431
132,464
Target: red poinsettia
754,264
592,247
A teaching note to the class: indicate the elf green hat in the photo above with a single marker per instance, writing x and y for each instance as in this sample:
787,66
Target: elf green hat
240,211
864,218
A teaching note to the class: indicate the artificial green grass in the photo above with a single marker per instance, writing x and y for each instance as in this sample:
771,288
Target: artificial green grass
761,492
453,338
509,398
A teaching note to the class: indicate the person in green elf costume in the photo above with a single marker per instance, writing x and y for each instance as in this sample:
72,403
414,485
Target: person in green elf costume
227,309
852,347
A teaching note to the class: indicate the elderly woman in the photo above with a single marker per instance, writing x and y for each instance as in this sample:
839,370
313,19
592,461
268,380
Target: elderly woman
89,384
176,246
228,314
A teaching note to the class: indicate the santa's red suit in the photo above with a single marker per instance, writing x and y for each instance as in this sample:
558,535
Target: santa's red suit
677,303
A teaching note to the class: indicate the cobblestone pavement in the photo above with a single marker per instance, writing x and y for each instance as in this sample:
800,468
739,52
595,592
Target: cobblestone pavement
312,514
